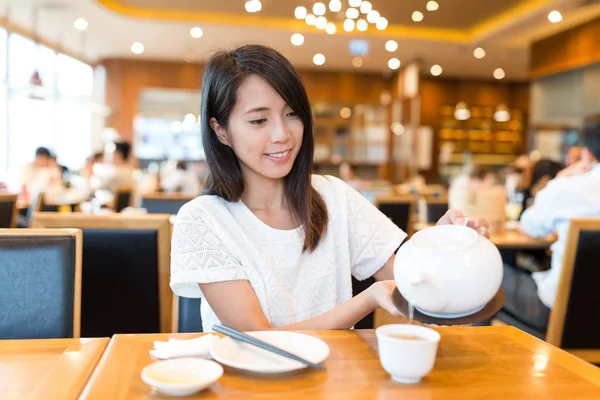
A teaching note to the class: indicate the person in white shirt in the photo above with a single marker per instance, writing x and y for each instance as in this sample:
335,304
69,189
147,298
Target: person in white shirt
569,196
40,175
269,245
115,171
181,180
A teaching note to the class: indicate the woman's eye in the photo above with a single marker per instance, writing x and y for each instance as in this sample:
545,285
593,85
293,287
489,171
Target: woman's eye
293,114
259,121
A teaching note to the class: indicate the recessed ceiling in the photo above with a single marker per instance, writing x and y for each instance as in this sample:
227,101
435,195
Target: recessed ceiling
506,33
452,14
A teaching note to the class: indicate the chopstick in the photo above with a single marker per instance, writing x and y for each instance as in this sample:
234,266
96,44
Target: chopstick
242,337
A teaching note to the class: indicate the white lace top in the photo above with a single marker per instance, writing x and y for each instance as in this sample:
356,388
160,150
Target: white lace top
215,240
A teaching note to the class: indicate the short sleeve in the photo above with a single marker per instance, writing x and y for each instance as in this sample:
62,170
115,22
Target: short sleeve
198,255
373,236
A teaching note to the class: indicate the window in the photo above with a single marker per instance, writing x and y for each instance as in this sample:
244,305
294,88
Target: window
3,105
3,55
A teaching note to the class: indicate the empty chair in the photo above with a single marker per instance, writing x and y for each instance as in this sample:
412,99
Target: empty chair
125,271
575,318
399,209
435,208
163,203
8,211
123,198
186,315
40,283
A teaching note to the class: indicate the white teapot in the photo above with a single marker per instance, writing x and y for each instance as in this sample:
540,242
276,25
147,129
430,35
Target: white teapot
448,271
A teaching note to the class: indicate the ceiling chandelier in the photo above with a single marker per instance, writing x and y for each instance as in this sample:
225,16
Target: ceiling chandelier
359,15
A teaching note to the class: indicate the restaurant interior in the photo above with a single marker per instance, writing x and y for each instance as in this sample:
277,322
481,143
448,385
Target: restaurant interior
487,107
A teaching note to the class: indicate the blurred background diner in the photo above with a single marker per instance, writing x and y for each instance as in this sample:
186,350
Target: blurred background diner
421,106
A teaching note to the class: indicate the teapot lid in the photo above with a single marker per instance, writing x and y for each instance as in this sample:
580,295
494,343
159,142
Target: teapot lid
445,237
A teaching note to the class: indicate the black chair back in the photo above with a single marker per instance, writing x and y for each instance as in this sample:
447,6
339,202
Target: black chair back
8,211
188,317
575,318
120,282
39,284
164,205
123,199
398,210
435,211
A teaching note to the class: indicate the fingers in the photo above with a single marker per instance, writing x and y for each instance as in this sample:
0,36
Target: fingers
477,223
483,231
452,217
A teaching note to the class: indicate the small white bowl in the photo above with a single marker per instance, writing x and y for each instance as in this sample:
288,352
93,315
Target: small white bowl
181,376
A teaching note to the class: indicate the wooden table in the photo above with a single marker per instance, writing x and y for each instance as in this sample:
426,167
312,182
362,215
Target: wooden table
48,368
472,363
510,239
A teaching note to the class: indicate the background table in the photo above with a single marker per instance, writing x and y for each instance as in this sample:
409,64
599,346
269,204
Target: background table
475,363
47,369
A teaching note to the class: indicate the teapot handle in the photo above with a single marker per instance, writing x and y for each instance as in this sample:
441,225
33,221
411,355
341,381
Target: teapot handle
419,278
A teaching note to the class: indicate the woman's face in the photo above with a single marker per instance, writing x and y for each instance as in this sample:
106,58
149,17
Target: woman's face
264,132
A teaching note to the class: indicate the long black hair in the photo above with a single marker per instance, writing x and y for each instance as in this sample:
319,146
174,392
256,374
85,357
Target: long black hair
224,74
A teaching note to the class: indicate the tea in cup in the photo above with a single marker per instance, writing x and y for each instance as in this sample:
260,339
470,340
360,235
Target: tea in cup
407,352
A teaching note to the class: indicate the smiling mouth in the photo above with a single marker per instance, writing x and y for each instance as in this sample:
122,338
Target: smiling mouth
279,155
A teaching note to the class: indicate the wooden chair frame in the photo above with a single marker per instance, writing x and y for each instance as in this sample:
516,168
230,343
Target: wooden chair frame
158,222
556,323
7,198
77,235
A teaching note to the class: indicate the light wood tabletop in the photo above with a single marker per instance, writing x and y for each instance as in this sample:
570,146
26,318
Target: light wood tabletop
472,363
47,368
509,239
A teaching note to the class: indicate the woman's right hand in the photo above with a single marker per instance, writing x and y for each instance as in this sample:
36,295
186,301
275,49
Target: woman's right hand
381,295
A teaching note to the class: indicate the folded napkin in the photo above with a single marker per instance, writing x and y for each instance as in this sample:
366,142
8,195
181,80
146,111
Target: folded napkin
174,348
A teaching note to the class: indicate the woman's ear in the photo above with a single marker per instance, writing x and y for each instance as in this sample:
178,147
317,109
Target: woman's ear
220,132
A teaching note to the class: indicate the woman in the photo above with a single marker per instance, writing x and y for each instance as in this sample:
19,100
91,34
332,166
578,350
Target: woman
269,245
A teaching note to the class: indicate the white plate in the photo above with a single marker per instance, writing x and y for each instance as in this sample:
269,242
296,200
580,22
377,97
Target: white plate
181,376
251,358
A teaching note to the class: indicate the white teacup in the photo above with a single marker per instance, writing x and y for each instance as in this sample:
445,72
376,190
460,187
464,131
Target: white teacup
407,352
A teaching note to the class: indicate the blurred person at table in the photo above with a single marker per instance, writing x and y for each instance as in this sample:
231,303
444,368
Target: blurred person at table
348,175
181,180
563,198
41,174
116,171
473,176
269,245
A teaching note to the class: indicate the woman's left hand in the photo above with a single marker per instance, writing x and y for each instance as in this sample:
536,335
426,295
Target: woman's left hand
456,217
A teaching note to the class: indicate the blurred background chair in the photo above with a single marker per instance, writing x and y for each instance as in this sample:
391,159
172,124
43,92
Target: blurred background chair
40,283
435,207
186,315
400,209
8,211
123,198
125,271
164,203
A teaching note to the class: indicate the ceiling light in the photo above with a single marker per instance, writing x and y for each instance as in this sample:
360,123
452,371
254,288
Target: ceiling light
319,59
499,73
319,9
330,28
297,39
417,16
362,25
321,22
196,32
354,3
436,70
80,24
382,23
352,13
137,48
253,6
300,12
357,62
391,45
349,25
397,128
394,63
555,17
345,113
373,16
311,19
335,5
365,7
479,53
432,6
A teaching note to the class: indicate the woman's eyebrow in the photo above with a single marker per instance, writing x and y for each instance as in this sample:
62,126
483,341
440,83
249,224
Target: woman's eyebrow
257,109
